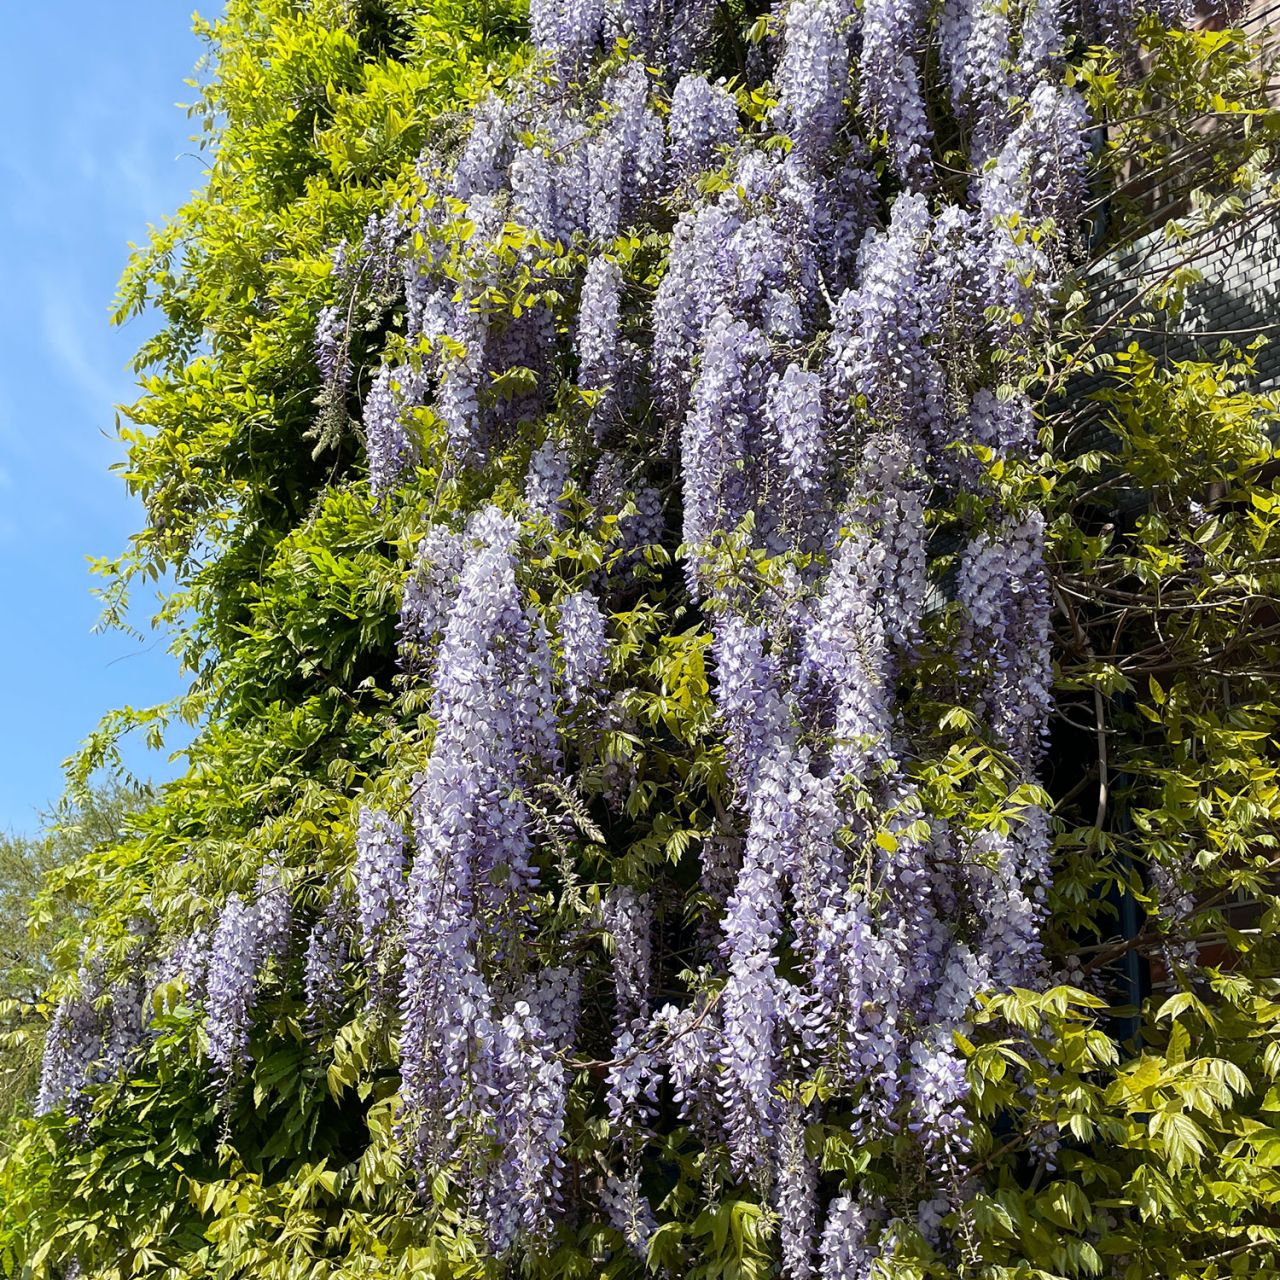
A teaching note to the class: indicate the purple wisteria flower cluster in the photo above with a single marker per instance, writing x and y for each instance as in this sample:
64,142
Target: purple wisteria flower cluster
96,1030
760,356
812,389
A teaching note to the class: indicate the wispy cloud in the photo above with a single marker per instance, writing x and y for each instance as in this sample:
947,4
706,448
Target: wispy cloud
66,321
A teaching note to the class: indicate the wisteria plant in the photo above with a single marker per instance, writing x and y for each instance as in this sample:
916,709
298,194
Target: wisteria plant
705,630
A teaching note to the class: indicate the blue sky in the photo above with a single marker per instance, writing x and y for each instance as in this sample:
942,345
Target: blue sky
92,148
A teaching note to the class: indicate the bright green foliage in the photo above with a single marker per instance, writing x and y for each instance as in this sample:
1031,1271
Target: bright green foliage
313,120
1160,1130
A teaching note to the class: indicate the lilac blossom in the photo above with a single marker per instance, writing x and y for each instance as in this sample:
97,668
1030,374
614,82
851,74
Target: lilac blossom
232,986
597,338
380,884
583,646
390,447
813,75
704,117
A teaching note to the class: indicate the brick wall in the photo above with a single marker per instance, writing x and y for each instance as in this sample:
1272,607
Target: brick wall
1237,297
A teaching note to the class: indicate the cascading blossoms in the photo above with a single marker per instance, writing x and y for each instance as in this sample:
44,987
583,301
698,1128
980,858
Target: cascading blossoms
821,358
817,368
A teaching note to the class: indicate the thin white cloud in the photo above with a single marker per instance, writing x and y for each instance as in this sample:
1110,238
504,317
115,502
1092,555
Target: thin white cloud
66,319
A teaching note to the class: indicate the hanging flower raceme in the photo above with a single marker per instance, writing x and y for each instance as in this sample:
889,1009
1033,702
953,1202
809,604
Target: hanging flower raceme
273,914
524,1188
975,40
755,995
813,75
890,93
722,434
597,340
380,889
473,865
322,976
627,157
390,446
1039,175
72,1049
1004,592
583,645
885,376
628,916
844,1250
545,482
796,1197
752,699
232,986
428,595
704,118
568,31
